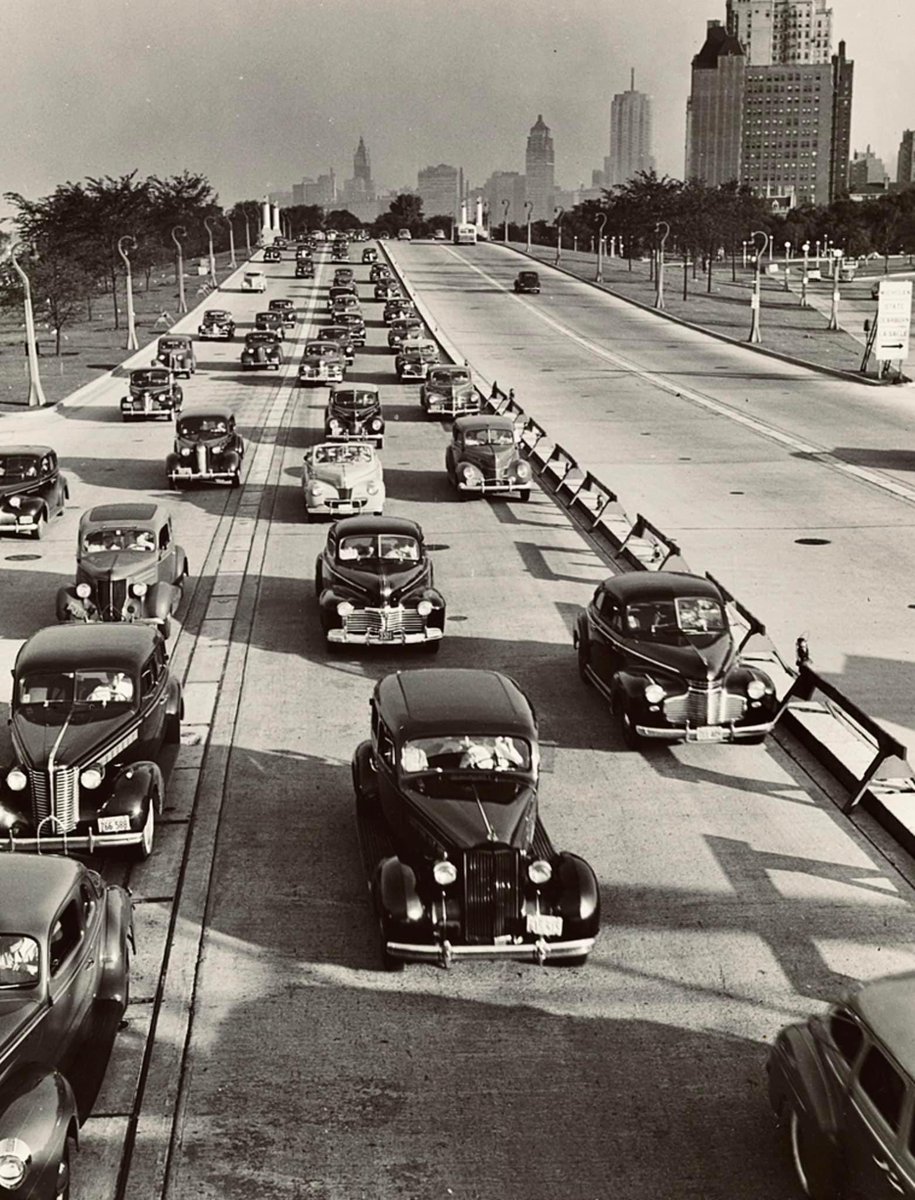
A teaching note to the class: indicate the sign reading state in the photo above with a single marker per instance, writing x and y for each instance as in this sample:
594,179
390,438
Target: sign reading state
894,319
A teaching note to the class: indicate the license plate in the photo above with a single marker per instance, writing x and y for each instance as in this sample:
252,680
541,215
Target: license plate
119,824
709,733
544,925
183,471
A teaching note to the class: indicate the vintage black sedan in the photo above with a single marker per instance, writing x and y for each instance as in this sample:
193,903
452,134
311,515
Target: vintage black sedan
262,351
273,254
397,309
152,392
128,567
354,323
93,707
343,275
341,336
842,1086
217,325
369,255
286,308
483,458
459,863
207,449
414,360
405,329
271,321
527,282
176,351
305,269
354,414
387,288
380,270
32,490
449,391
659,646
374,585
65,938
323,361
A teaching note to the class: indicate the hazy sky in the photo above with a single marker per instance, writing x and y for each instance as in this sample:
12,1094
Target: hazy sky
257,94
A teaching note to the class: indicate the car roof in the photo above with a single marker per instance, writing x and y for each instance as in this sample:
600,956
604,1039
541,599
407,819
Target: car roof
121,514
482,421
36,450
175,337
70,647
443,700
350,526
32,887
886,1006
451,367
215,414
358,387
659,585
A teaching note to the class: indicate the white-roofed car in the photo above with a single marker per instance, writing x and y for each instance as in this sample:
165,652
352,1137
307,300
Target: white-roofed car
342,479
254,281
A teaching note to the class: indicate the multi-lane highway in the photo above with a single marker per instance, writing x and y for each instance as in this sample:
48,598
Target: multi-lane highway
267,1053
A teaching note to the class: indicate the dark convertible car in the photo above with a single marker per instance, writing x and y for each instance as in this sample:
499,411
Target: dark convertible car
446,795
373,584
659,646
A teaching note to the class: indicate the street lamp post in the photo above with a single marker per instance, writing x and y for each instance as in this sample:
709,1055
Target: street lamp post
787,266
209,229
506,205
132,343
756,298
818,254
529,205
232,263
599,277
36,394
744,244
836,273
805,278
557,216
182,303
659,280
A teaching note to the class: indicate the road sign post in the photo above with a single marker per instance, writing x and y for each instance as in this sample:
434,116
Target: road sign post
894,320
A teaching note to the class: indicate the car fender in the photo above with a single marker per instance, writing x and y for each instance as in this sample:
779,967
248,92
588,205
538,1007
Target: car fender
161,600
113,985
171,461
174,699
133,786
69,606
32,505
796,1072
631,686
577,891
580,634
231,460
396,895
181,566
365,781
37,1106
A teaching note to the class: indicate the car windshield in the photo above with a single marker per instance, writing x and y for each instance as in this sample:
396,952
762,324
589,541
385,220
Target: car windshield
215,314
347,452
675,621
147,379
489,437
382,547
468,752
260,339
355,399
17,468
202,427
528,276
19,961
172,344
94,694
98,540
326,349
446,378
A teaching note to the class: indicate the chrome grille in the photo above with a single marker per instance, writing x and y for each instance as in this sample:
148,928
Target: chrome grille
56,797
111,596
705,706
379,621
492,896
41,798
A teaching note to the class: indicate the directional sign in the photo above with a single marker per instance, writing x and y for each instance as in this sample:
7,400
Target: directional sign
894,320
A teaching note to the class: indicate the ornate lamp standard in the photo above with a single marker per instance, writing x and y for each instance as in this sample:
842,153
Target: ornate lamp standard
755,299
599,276
805,278
529,205
659,282
557,214
36,394
132,343
506,205
232,263
182,303
209,229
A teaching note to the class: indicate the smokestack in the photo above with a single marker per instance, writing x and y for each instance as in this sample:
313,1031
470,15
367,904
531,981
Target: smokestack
479,220
632,79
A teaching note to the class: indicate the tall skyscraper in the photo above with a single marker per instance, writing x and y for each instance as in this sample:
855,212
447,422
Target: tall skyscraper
630,136
779,32
438,190
540,168
905,164
865,170
714,110
362,170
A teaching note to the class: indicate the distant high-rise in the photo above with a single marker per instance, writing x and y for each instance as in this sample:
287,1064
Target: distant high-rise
781,31
714,110
362,170
438,190
630,136
540,168
905,164
866,169
502,186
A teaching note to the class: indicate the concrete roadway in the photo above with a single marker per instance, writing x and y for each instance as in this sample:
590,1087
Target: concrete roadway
737,456
285,1063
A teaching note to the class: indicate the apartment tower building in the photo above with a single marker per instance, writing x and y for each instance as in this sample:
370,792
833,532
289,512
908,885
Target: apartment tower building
540,171
630,136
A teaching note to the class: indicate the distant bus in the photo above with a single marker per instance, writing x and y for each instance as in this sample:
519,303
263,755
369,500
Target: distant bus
465,235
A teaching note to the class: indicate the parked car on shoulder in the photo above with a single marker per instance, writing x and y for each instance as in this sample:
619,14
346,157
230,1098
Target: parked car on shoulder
152,392
659,646
483,458
32,490
374,585
65,940
369,254
380,270
322,362
128,567
305,269
176,352
449,392
458,862
414,360
207,449
354,413
287,310
271,320
527,282
262,351
93,706
439,235
342,479
217,324
254,281
841,1085
405,329
273,254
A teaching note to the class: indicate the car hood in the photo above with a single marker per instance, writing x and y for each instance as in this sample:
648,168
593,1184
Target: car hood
462,823
490,458
449,389
351,416
13,489
704,660
343,475
388,584
74,742
150,389
260,352
220,440
135,565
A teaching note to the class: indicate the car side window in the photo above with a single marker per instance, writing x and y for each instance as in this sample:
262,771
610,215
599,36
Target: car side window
66,933
164,539
846,1035
883,1086
87,900
385,745
149,676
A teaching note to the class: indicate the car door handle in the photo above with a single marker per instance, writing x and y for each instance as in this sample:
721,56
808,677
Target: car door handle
887,1167
90,963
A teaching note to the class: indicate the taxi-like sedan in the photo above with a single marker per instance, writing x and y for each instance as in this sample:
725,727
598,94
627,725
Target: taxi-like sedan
176,352
449,392
65,939
322,362
262,351
271,321
286,308
354,414
342,479
458,862
405,329
414,360
207,449
32,490
483,458
128,567
217,325
152,392
659,646
93,707
374,586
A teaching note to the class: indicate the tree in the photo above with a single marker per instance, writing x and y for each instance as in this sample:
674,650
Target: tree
58,285
404,212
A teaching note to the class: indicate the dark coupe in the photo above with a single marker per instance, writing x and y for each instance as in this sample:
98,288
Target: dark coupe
446,796
659,646
176,351
527,282
354,413
287,310
449,391
64,983
374,585
262,351
93,706
128,567
32,490
218,324
207,449
483,458
342,337
305,269
272,321
152,392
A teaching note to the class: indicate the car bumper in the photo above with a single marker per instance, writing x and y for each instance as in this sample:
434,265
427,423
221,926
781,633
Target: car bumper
703,733
67,842
536,951
203,476
16,524
443,408
336,508
162,409
381,639
496,485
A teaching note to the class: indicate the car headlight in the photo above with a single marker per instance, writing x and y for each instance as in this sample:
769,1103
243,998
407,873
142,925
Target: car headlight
319,487
83,590
444,872
375,424
523,470
372,489
15,1160
16,779
756,689
424,608
139,589
92,777
471,474
540,871
185,451
654,693
344,608
15,501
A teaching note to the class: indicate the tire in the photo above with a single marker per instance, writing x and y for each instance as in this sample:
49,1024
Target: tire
235,481
166,628
432,647
172,729
524,496
814,1163
388,962
754,741
142,851
583,654
631,739
62,1183
41,527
